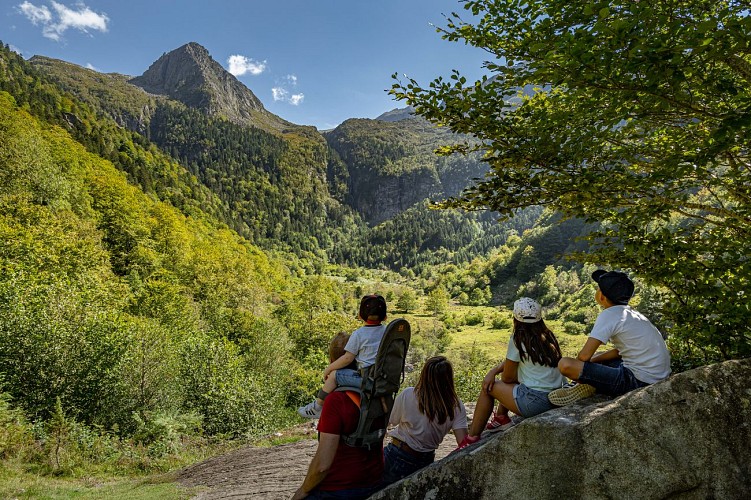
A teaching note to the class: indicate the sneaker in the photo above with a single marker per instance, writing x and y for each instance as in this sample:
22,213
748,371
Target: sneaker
310,410
499,423
569,393
467,441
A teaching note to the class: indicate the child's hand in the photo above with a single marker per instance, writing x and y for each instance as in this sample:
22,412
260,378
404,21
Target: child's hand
488,381
327,372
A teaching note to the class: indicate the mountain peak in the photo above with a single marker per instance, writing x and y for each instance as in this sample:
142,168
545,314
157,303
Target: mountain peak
190,75
398,114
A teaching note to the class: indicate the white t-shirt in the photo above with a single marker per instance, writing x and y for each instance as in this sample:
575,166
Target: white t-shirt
414,428
537,377
364,343
639,343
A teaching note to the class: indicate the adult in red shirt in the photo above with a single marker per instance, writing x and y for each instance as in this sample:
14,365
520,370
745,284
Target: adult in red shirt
338,470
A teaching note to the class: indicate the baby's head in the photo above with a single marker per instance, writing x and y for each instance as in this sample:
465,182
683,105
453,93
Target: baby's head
336,346
372,308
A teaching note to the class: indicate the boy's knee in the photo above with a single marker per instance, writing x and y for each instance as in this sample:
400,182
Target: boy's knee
568,367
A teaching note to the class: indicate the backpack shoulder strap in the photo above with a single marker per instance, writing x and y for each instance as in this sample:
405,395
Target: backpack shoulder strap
354,396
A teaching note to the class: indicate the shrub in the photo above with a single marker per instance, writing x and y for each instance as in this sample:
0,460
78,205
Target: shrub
473,318
501,322
574,328
16,437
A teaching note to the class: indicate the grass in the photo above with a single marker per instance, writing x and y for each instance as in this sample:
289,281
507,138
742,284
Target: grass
18,483
494,342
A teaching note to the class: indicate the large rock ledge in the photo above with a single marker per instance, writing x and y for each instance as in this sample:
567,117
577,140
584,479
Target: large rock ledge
688,437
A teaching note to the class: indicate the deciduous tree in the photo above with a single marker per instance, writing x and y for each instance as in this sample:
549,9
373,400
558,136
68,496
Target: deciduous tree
632,114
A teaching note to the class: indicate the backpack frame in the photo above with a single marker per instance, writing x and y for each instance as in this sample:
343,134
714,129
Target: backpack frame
380,383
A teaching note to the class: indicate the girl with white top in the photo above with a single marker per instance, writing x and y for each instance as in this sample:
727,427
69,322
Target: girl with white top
423,415
528,374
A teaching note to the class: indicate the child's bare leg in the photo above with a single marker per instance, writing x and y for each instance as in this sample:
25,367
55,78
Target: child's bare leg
483,409
502,410
504,393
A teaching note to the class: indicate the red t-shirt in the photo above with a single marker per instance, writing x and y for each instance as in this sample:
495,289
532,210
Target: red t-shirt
353,467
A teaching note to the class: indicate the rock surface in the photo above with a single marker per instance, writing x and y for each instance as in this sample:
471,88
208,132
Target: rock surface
688,437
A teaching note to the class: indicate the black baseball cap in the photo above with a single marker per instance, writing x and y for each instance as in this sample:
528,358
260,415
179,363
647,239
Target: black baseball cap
372,307
615,285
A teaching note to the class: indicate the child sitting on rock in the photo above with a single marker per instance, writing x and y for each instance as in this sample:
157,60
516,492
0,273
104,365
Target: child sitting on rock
423,415
362,347
528,374
640,356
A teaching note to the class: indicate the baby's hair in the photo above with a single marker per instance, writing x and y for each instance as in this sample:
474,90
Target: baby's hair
336,346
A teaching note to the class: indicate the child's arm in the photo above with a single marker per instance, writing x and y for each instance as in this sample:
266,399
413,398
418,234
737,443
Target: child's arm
510,373
606,356
489,380
589,349
342,362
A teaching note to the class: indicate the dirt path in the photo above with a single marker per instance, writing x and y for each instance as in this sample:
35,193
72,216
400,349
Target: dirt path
263,473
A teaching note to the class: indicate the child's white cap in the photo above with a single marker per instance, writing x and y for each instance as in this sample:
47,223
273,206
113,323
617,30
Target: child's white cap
527,310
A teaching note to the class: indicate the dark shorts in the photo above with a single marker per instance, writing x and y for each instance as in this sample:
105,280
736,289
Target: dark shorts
399,464
610,377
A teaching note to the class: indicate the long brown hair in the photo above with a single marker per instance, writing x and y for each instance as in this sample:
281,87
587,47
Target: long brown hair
536,342
436,396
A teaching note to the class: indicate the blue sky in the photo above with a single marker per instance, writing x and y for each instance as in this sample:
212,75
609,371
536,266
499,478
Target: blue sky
312,62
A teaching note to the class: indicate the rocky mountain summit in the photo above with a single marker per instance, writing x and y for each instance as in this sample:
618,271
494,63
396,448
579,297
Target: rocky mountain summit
190,75
398,114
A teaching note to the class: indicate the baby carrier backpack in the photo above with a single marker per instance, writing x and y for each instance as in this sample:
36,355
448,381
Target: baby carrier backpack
380,383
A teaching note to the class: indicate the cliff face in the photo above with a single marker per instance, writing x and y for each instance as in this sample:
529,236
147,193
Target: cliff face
391,164
688,437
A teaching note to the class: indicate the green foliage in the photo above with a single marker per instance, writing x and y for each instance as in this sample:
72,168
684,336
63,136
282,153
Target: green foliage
103,290
437,301
145,166
407,301
474,318
469,370
58,432
162,433
232,400
15,432
501,322
643,130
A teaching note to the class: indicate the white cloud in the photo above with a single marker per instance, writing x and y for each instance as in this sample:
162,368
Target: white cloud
279,94
15,49
37,15
55,25
91,66
282,94
239,65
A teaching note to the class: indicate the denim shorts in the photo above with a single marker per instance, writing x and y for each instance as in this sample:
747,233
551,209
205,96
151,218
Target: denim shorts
610,378
399,464
531,402
347,377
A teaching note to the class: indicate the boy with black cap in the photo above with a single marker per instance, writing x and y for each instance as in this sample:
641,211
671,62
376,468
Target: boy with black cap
640,356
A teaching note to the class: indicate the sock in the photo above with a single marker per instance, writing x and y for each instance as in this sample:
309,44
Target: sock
322,395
